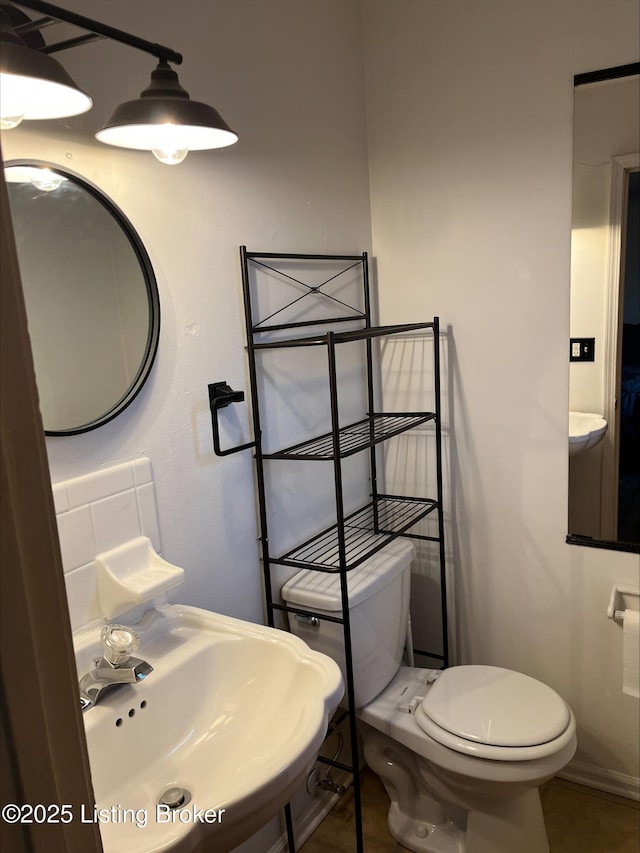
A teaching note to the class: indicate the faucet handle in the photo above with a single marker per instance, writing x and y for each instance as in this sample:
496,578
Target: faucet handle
119,643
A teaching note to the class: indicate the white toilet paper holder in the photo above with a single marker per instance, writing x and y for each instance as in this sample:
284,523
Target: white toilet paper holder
623,597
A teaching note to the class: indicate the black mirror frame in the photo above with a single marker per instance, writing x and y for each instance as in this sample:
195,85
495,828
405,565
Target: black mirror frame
581,80
153,296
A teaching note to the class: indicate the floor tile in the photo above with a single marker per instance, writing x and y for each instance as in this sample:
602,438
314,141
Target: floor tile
584,820
578,820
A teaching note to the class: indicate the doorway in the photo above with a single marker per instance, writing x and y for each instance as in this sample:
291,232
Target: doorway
629,400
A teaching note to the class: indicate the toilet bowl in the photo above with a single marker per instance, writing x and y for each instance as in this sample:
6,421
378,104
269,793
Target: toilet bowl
451,793
461,752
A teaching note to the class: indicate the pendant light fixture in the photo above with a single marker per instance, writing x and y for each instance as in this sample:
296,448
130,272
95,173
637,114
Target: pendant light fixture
166,121
163,119
33,85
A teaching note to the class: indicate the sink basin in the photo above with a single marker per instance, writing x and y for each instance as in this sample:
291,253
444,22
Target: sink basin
233,713
585,431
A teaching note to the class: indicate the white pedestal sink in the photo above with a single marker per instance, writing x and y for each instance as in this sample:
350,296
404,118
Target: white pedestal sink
585,431
233,713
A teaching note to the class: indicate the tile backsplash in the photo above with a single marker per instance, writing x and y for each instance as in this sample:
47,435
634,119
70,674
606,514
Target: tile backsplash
97,512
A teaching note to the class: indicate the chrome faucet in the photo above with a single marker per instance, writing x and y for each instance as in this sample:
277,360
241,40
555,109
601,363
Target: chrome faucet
116,667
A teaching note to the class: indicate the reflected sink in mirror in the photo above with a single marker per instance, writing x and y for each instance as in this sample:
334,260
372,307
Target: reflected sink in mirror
585,431
233,714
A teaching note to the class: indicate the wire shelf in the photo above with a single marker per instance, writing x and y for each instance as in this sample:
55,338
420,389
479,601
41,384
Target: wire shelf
354,437
344,546
363,537
333,338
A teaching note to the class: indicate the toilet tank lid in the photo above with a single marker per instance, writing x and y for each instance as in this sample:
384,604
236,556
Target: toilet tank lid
321,590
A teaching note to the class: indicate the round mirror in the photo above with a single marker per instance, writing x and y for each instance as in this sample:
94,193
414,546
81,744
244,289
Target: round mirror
91,296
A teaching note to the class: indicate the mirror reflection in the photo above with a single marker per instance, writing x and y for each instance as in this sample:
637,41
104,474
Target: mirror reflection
604,397
90,293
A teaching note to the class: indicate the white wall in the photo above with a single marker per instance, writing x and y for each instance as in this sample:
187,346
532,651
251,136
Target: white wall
469,111
470,142
287,76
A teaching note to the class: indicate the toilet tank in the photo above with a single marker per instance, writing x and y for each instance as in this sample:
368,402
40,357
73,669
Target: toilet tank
379,608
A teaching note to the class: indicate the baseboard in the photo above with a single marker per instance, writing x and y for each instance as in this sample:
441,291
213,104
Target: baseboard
604,780
305,826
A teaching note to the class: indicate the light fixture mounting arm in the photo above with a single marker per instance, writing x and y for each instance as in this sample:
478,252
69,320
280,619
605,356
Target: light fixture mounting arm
97,29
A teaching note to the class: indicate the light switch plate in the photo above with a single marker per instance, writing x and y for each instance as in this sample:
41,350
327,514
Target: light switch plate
582,349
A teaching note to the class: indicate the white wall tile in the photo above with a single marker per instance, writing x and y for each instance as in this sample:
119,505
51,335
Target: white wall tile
99,484
115,520
97,512
77,540
141,469
82,595
60,498
148,514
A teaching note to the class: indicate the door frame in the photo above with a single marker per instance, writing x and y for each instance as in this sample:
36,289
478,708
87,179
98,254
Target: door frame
621,166
43,745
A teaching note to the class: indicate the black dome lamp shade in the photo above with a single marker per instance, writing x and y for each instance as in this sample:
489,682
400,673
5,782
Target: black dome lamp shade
33,85
166,121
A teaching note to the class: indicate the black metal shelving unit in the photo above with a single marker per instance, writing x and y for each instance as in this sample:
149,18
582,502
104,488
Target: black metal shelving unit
356,535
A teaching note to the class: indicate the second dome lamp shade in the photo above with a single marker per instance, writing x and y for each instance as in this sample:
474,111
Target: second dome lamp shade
166,121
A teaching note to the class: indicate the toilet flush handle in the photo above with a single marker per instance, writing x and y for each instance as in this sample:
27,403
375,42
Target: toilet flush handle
310,621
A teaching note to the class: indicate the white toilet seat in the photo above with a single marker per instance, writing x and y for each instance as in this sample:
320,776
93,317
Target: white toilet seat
495,713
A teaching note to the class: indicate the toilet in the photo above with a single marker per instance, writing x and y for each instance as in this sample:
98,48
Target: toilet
462,752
